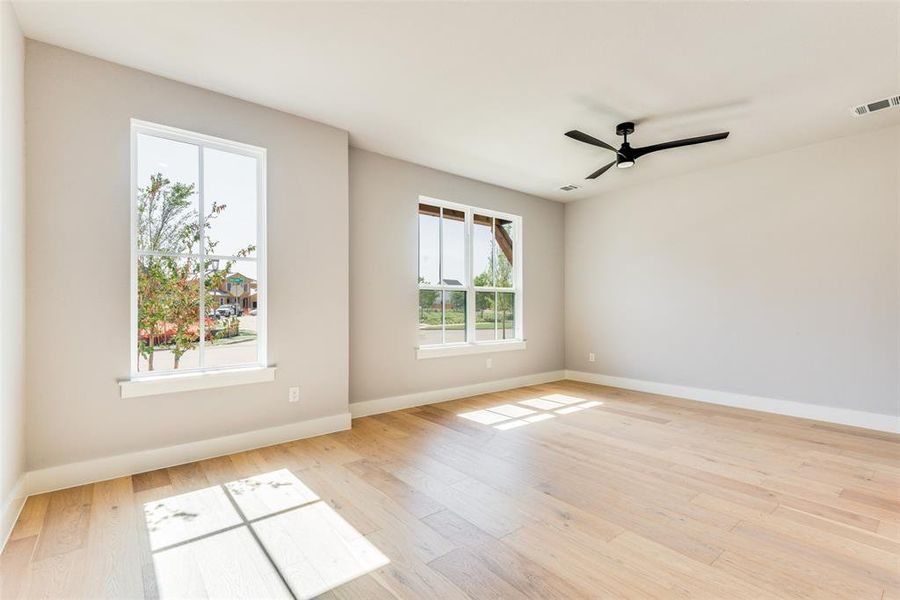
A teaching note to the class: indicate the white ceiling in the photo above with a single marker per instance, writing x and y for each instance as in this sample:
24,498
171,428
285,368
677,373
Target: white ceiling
487,90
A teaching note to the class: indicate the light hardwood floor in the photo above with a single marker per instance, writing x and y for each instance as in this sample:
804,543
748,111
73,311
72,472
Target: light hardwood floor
564,490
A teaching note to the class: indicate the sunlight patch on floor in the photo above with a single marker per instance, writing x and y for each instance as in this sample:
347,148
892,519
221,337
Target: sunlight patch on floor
511,410
540,404
269,493
250,537
225,565
536,418
511,424
564,399
485,417
576,407
525,412
316,550
179,518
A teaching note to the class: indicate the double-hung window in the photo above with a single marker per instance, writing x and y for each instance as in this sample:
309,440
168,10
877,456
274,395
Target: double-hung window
198,275
470,279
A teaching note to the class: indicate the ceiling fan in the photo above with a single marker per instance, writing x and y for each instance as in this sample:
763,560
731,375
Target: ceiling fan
626,155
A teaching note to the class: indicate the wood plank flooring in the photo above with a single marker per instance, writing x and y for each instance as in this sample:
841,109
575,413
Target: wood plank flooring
564,490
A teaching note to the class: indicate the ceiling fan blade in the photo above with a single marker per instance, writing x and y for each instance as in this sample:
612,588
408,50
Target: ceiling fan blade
678,143
600,171
587,139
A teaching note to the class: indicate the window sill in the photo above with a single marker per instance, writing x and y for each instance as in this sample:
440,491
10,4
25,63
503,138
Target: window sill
186,382
463,349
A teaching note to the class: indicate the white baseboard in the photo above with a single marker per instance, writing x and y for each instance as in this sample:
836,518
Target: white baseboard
843,416
101,469
383,405
9,512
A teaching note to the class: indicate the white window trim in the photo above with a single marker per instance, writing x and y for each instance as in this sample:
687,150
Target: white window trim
460,349
171,383
471,346
188,379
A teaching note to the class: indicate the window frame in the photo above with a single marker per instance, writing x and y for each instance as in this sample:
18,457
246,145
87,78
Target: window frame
471,345
139,127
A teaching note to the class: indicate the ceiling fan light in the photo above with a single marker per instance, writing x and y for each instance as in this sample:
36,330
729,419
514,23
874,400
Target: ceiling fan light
625,163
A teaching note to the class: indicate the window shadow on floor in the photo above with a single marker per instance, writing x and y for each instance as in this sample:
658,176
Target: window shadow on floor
267,536
526,412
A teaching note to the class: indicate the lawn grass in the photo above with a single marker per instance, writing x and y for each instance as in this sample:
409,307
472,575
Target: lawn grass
430,320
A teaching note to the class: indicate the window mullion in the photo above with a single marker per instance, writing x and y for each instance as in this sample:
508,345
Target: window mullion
493,252
494,273
441,274
134,333
201,272
470,277
496,310
518,252
220,257
156,254
443,318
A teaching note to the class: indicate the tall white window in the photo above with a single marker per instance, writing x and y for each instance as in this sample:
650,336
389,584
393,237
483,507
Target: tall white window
470,276
198,275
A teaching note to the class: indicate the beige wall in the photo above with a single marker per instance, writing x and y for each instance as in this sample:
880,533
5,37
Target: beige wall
12,261
78,110
777,277
383,268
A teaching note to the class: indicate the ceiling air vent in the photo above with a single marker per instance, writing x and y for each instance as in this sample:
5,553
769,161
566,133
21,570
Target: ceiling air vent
870,107
569,188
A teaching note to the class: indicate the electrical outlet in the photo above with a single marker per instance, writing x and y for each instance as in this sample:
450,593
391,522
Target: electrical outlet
590,357
489,363
294,394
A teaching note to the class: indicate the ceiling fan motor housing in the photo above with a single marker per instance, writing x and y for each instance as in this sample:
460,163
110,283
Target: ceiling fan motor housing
625,157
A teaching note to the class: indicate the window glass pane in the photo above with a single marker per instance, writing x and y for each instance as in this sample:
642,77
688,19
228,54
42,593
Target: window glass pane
503,237
454,317
454,247
229,203
429,244
168,314
484,316
231,313
506,324
482,251
167,180
429,331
